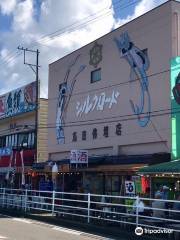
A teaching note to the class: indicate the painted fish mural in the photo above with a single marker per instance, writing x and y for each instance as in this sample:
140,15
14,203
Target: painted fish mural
64,95
139,64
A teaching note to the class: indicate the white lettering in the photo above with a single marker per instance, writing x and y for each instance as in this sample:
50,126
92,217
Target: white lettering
96,103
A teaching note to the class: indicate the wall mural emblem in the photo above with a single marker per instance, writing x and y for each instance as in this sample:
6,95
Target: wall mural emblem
95,54
139,63
64,95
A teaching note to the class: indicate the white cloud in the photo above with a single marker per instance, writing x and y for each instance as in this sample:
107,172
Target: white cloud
54,15
23,15
7,6
141,8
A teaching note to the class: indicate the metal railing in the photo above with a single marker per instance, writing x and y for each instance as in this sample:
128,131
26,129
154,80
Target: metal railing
116,210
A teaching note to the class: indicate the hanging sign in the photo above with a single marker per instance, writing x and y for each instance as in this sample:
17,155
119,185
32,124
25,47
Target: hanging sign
79,156
130,187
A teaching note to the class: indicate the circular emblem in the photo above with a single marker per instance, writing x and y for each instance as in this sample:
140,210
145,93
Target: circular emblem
95,54
139,231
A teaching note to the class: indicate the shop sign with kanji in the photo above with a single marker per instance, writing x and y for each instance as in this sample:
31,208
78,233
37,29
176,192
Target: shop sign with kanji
79,157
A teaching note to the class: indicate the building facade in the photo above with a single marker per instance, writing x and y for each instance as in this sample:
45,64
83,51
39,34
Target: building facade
112,98
18,135
42,131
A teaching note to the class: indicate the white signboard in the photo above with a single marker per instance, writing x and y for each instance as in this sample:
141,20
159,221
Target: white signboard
96,103
79,156
130,187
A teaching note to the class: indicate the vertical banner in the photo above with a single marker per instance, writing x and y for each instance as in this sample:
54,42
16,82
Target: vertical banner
130,187
175,107
22,161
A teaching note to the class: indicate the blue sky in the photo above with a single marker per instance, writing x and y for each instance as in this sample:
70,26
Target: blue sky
7,20
122,8
24,22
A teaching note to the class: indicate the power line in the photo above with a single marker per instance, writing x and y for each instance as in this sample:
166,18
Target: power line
8,56
13,57
114,85
63,30
122,118
160,18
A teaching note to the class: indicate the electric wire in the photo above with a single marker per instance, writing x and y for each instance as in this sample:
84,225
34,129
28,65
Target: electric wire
122,118
60,30
114,85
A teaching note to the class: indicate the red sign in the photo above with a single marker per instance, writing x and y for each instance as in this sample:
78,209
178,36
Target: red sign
28,158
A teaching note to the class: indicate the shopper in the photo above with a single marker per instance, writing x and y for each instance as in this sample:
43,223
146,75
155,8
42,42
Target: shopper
158,207
138,206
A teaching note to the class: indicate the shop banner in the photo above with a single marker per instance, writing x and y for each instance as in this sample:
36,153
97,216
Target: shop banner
130,187
5,151
79,157
18,101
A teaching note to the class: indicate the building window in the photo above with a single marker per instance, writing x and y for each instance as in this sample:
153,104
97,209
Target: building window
106,131
112,185
118,129
83,135
74,139
2,142
33,139
18,140
94,133
23,140
96,75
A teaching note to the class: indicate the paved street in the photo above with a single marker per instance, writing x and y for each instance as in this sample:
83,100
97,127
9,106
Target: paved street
21,229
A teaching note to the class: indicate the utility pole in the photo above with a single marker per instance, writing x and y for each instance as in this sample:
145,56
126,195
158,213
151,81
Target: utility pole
35,69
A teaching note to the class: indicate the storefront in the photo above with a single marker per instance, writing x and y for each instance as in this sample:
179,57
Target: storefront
112,107
20,146
164,174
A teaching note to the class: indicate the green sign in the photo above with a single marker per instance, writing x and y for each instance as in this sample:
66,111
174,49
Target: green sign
175,108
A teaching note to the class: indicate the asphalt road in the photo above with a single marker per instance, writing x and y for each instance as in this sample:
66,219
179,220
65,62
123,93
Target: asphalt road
24,229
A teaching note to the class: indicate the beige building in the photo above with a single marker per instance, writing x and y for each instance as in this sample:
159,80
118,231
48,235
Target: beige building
112,97
18,133
42,131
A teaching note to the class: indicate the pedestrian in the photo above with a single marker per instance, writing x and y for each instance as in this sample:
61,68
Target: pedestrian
158,207
139,206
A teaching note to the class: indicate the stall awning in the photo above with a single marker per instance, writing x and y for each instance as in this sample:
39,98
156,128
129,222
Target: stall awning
167,167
